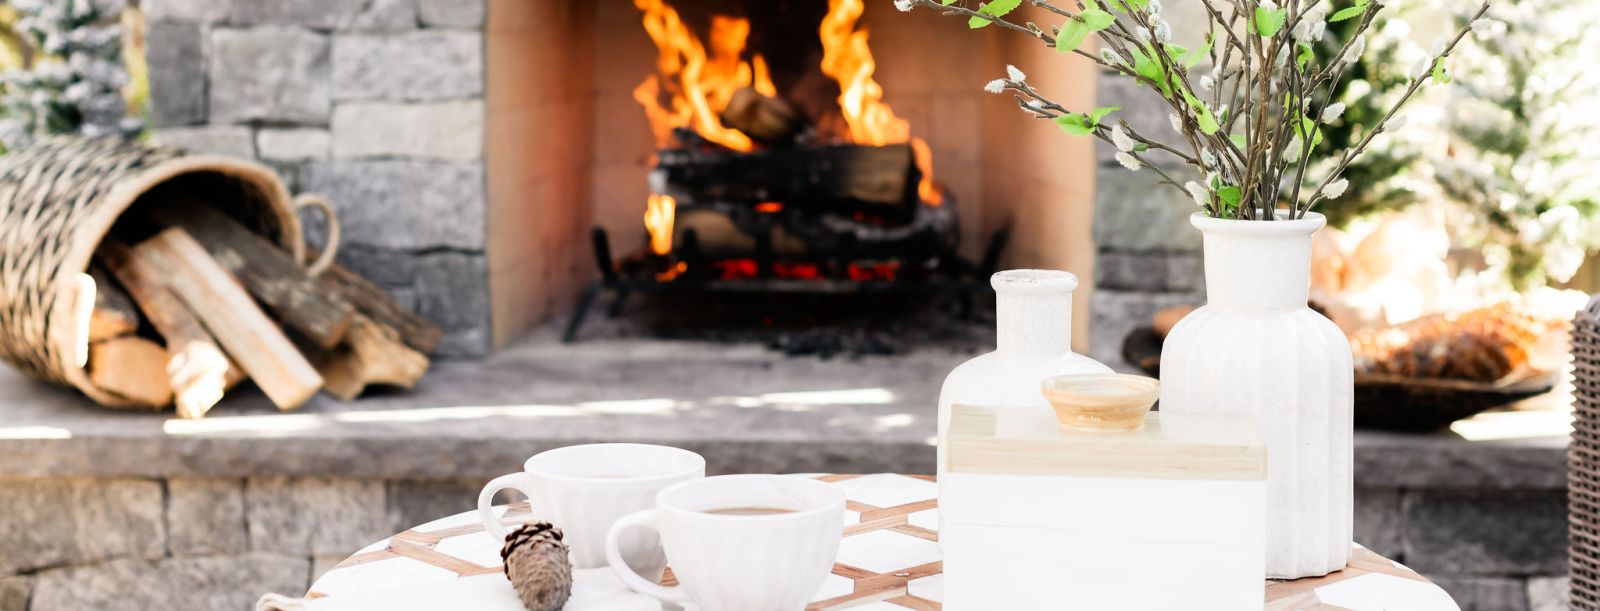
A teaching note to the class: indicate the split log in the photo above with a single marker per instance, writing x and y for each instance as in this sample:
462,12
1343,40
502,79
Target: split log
877,180
767,120
381,308
198,370
370,355
132,367
114,314
271,275
221,303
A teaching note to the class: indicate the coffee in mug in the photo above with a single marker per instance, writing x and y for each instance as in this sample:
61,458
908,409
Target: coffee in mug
739,542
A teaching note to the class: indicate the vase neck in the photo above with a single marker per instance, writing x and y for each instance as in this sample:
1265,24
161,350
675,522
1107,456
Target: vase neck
1258,264
1033,312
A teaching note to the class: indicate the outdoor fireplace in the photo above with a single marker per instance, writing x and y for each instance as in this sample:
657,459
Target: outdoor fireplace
814,186
474,150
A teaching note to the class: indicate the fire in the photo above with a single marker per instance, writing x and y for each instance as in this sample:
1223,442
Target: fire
699,85
659,213
848,59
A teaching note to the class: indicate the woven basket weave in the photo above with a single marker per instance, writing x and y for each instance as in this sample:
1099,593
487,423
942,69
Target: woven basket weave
60,197
1583,461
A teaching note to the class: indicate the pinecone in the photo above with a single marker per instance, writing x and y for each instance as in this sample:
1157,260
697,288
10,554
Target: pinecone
537,565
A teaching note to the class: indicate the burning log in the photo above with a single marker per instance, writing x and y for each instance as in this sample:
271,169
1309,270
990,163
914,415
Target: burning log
876,180
216,298
768,120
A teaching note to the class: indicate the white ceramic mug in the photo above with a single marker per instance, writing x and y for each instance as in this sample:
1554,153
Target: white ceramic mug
766,562
584,489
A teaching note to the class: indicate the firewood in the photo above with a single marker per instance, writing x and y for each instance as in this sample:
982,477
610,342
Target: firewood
875,180
271,275
221,303
132,367
198,370
114,314
768,120
371,354
378,306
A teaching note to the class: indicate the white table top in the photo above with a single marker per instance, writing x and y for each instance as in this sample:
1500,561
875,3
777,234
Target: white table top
889,559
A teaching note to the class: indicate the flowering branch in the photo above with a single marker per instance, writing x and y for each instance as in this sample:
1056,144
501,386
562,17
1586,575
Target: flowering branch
1250,143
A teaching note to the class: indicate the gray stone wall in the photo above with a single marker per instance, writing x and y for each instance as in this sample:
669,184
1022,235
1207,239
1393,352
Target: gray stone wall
1147,255
201,544
377,104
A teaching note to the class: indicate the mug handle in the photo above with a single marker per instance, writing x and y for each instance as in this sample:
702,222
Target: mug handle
329,249
514,481
647,518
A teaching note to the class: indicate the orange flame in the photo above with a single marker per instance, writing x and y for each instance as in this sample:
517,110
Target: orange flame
659,213
698,86
847,58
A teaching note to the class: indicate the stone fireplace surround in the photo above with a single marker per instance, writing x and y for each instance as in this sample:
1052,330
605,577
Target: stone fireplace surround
469,145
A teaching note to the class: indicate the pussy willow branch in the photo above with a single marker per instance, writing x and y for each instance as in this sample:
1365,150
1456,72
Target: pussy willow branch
1353,152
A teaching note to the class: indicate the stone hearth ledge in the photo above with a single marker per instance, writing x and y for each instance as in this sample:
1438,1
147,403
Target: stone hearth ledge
745,408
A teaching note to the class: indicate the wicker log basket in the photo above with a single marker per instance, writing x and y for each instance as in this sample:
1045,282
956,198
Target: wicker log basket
58,200
1583,461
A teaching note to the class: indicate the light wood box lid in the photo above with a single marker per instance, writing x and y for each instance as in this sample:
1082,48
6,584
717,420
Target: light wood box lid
1170,446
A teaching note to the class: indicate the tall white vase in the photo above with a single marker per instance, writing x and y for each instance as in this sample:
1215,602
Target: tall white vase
1033,319
1257,349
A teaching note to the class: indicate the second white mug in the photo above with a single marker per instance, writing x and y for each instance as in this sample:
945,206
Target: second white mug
739,542
583,489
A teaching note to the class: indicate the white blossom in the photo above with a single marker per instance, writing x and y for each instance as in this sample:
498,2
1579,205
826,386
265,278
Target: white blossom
1396,123
1128,161
1311,26
1202,196
1269,5
1419,69
1332,112
1207,158
903,5
1110,57
1154,8
1177,123
1163,31
1207,83
1482,25
1121,139
1357,47
995,86
1336,188
1014,74
1439,46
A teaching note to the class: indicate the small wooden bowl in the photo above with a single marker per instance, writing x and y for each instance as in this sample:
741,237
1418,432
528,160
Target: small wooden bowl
1101,401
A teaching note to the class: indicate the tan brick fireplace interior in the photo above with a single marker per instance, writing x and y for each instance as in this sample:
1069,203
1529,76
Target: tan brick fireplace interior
568,148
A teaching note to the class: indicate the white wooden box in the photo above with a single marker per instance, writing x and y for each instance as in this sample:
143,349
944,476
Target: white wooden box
1166,517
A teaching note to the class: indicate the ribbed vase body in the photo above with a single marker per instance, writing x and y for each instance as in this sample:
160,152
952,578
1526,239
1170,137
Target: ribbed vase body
1257,349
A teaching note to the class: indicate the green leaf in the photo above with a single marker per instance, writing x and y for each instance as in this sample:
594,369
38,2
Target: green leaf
1238,140
1136,4
1207,121
1439,74
1305,56
1196,55
996,9
1268,22
1348,13
947,2
1140,147
1075,124
1097,19
1100,113
1071,36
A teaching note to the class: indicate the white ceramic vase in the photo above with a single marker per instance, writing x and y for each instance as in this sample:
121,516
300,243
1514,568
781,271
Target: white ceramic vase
1257,349
1033,320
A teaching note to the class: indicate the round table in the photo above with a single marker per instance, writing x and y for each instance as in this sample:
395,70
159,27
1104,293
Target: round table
889,559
